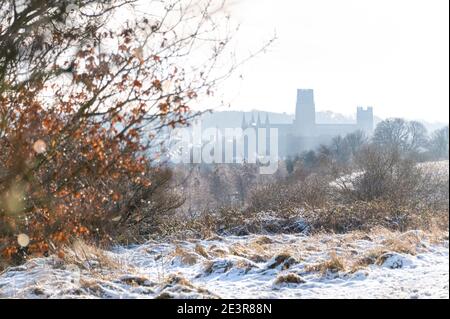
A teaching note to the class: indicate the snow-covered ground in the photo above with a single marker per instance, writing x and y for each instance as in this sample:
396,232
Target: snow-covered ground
355,265
439,170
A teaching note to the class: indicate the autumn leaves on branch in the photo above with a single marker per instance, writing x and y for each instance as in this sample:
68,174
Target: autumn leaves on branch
83,93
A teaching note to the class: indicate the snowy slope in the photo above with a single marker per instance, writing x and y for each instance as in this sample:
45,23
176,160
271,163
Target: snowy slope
410,265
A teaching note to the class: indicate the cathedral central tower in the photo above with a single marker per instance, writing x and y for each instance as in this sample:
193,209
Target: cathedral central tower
305,113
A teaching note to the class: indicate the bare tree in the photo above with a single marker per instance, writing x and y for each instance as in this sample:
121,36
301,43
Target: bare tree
355,141
439,143
407,137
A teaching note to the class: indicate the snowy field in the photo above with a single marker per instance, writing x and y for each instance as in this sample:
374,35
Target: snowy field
438,170
355,265
381,264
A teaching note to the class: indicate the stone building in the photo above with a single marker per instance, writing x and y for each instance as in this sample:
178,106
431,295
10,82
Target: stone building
304,133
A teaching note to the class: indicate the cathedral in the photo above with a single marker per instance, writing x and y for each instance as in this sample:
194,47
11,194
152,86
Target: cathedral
304,133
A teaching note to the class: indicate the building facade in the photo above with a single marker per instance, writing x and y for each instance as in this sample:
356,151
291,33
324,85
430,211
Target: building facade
304,133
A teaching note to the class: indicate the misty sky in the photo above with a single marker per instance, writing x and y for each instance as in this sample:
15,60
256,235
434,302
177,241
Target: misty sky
391,54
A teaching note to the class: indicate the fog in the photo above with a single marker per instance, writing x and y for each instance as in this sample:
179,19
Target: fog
392,55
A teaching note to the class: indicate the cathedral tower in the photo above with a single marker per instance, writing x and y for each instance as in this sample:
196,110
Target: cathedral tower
305,113
364,119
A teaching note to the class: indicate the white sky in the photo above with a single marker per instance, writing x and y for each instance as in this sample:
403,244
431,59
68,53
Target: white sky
391,54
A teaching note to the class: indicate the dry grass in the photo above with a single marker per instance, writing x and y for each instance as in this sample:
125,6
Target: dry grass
187,258
252,251
334,264
165,295
372,257
214,266
400,246
217,252
410,243
406,243
284,259
88,257
176,284
290,278
199,249
136,281
90,285
262,240
175,279
400,243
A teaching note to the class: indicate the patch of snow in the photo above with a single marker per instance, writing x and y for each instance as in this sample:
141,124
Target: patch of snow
438,170
395,260
155,270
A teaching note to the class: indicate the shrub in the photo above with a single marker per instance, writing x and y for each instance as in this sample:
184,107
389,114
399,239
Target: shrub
381,173
360,215
80,106
438,144
312,191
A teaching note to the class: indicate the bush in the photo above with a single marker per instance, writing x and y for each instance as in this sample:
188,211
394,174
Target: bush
381,174
438,144
313,191
81,103
365,216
